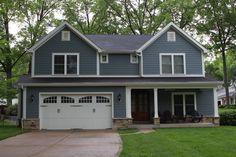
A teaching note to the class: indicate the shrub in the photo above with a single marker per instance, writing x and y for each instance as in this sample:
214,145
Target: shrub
228,117
12,110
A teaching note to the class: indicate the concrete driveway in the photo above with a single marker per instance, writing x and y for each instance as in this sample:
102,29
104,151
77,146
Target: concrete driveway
62,144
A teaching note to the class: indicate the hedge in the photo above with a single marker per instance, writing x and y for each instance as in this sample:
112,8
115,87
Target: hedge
228,117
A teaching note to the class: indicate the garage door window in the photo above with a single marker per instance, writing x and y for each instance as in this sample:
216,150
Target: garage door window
66,99
85,99
102,99
50,100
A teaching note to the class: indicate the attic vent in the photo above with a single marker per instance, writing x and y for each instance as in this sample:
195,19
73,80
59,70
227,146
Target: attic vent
65,35
171,36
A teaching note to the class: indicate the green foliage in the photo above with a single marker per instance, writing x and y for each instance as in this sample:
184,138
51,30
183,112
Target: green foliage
228,117
9,131
12,110
215,68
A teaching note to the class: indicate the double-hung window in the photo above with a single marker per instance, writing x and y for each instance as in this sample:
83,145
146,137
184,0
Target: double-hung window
172,64
65,64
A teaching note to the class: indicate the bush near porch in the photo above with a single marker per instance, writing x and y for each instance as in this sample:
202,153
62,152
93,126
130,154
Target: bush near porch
227,115
181,142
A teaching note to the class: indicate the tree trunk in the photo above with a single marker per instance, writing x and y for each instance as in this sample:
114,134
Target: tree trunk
226,84
9,86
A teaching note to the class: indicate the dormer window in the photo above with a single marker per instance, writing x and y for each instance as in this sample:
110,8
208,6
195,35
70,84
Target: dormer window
65,35
133,58
171,36
104,58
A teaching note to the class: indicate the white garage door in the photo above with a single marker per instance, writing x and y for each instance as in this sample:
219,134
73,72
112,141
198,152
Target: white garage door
75,111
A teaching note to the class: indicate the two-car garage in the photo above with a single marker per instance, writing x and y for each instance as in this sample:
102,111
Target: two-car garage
75,111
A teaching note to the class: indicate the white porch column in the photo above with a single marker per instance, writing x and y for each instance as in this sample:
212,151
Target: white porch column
155,103
128,102
24,102
216,113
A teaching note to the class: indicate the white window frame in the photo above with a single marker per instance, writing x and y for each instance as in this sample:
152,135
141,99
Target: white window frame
65,63
131,59
169,33
63,36
184,103
107,59
172,63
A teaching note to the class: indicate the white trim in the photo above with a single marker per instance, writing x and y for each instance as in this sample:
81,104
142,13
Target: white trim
32,66
176,75
141,65
77,93
216,112
154,38
58,29
172,64
128,102
63,36
90,76
178,85
24,102
65,63
131,58
155,103
184,103
203,65
107,58
98,64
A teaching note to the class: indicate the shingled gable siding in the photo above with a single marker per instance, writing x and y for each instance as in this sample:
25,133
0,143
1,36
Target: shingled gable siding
205,100
33,107
119,64
87,55
181,45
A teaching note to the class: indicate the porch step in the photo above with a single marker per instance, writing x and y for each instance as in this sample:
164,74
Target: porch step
187,125
143,126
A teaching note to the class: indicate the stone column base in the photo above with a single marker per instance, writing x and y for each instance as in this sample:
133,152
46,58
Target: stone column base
30,124
214,120
156,121
122,123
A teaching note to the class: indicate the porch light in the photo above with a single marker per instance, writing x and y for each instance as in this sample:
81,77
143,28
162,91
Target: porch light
119,97
32,98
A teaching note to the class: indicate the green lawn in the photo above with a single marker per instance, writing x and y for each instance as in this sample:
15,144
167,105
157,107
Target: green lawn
182,142
9,130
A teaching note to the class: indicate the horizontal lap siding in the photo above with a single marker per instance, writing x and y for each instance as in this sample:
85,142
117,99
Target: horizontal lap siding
33,107
205,99
43,56
181,45
119,64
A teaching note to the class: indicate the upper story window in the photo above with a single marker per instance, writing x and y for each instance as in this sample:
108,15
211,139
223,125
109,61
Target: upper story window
172,64
104,58
133,58
65,64
171,36
65,35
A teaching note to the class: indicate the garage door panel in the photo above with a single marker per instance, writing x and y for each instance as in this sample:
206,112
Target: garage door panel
76,111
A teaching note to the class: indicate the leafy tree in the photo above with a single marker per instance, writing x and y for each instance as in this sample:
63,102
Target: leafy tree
90,16
34,17
217,20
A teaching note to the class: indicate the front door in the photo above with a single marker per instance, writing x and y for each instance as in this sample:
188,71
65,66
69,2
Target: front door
141,100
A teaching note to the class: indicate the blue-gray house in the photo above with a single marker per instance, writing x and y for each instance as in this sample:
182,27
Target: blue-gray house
111,81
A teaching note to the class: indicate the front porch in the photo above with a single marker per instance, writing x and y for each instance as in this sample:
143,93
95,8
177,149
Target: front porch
164,106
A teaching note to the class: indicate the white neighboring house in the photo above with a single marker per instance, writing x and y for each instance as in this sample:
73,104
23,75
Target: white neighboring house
222,96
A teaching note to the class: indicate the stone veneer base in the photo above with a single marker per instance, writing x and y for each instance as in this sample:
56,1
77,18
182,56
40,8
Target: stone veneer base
30,124
122,123
214,120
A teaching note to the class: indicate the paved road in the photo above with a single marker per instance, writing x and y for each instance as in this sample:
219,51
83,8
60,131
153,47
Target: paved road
62,144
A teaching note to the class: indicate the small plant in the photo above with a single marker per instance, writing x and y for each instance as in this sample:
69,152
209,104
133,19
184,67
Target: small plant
12,110
228,117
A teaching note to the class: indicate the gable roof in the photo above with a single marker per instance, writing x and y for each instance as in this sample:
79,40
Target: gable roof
167,27
58,29
119,43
